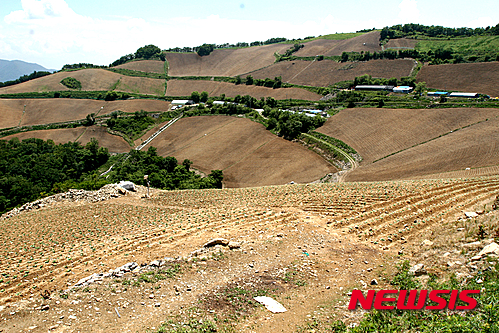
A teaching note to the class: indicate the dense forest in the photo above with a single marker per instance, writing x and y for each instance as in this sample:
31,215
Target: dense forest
33,168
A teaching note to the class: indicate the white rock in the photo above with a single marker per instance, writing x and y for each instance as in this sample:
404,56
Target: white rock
492,248
271,305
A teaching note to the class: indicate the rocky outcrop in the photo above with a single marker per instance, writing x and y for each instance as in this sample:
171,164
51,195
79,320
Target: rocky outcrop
105,193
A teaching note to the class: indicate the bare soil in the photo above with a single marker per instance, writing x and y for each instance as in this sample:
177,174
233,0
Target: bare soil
473,77
12,112
58,110
306,246
471,147
247,154
327,72
224,62
186,87
151,66
376,133
114,143
367,42
91,80
57,135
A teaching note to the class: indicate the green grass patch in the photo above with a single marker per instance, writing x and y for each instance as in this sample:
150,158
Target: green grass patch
71,83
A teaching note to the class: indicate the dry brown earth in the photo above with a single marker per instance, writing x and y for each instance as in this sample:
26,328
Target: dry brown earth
474,78
327,72
56,110
307,245
472,147
247,154
376,133
224,62
401,43
114,143
152,66
186,87
91,80
366,42
57,135
12,112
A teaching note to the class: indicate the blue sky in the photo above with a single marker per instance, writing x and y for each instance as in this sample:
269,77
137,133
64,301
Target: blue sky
55,32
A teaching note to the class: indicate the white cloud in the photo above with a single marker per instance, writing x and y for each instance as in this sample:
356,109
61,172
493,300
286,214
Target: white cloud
409,12
481,22
52,34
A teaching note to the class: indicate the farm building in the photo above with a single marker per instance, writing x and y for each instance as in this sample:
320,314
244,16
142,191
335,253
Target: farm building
464,95
373,87
437,93
182,102
403,89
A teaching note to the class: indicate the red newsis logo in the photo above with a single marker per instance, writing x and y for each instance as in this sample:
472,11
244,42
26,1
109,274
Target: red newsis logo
412,299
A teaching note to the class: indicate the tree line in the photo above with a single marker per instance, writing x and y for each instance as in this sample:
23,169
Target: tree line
25,78
414,30
227,45
33,168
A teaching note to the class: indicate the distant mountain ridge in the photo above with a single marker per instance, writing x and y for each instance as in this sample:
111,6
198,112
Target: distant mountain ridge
13,69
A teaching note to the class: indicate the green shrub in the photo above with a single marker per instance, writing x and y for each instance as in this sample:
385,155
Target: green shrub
71,83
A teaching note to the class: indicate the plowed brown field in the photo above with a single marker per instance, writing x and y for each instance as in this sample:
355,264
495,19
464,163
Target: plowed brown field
367,42
56,110
475,78
153,66
12,112
247,153
327,72
186,87
401,43
91,80
311,243
224,62
114,143
57,135
472,147
376,133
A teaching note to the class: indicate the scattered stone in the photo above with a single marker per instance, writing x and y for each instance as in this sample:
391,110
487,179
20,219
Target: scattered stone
427,242
45,307
470,214
417,270
492,248
157,305
129,186
271,305
374,282
216,241
474,244
234,245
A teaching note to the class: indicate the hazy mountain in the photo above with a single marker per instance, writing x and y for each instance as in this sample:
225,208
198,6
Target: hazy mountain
13,69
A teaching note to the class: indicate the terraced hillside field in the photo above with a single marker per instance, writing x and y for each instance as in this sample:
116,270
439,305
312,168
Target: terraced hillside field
114,143
376,133
150,66
472,147
329,236
366,42
327,72
474,77
186,87
91,80
27,112
248,154
224,62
